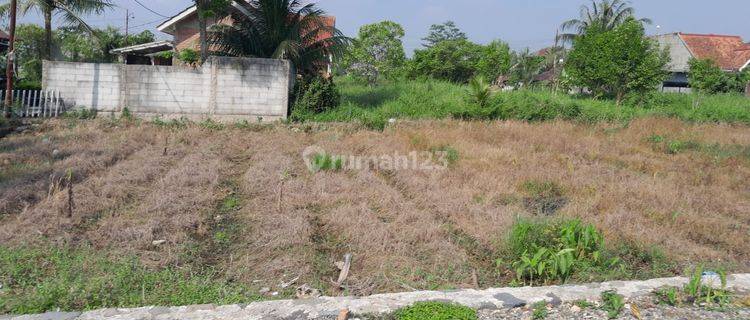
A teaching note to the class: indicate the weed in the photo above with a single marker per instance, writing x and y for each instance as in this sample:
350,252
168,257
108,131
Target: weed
210,124
326,162
445,155
669,296
612,303
80,114
435,311
479,91
543,197
583,304
126,115
52,278
539,310
180,123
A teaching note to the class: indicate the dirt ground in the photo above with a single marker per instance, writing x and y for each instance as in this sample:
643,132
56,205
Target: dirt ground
243,200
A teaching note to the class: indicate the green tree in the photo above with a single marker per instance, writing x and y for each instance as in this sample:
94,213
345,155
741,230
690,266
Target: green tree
607,14
446,31
30,48
208,9
71,13
526,66
494,60
707,77
454,60
78,47
377,51
616,62
281,29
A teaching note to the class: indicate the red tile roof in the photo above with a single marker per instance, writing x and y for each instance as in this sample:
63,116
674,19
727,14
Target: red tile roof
729,52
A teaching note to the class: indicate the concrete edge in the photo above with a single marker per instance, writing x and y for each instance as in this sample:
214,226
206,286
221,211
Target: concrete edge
384,303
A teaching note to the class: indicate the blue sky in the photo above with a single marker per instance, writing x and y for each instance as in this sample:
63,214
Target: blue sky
527,23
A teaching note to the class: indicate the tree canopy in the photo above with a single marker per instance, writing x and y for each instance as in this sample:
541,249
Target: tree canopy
377,51
446,31
616,62
607,14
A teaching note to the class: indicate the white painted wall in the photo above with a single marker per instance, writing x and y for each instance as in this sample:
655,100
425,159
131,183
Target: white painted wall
222,87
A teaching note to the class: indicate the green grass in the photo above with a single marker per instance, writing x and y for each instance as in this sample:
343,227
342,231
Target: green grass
434,310
432,99
39,280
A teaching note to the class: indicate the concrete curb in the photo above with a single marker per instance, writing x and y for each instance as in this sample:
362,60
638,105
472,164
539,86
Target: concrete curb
329,307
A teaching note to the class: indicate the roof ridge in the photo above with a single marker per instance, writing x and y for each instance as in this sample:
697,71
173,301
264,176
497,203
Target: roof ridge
709,35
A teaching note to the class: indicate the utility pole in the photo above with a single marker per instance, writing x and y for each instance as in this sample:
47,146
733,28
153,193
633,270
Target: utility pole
11,59
127,21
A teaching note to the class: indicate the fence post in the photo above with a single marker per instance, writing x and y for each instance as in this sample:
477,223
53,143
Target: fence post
56,95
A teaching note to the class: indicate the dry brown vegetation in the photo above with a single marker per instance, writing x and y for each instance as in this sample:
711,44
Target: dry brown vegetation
405,228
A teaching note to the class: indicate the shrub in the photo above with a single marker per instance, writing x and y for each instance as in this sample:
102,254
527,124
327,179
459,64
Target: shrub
314,95
544,252
612,303
707,77
189,56
435,311
80,113
326,162
479,91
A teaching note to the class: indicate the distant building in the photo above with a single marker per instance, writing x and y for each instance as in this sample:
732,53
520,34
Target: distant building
730,53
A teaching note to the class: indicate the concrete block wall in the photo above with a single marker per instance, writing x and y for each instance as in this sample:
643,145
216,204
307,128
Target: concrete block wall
223,87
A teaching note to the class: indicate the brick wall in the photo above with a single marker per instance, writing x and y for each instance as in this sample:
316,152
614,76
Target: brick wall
222,87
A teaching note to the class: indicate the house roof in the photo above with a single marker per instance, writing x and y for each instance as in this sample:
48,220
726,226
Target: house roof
168,26
145,48
729,52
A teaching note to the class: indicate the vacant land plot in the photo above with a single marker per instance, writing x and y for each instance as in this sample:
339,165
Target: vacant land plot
238,206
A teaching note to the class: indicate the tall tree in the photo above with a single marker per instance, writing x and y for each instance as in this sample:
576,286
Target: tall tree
608,14
208,9
377,51
70,11
281,29
616,62
446,31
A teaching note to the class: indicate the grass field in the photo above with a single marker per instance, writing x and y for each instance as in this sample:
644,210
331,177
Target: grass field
430,99
163,212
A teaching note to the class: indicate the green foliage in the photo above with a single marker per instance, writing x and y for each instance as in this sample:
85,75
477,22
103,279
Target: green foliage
668,296
82,47
494,61
446,31
433,99
377,52
479,91
28,85
607,14
38,280
211,124
80,114
445,154
526,66
616,62
189,56
707,77
313,95
435,311
454,61
539,310
30,46
326,162
612,303
291,30
544,252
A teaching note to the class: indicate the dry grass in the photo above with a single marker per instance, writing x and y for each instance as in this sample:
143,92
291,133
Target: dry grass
406,228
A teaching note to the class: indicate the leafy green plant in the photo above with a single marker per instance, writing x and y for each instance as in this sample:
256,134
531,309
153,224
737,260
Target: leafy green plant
211,124
612,303
435,311
539,310
445,154
669,296
314,94
188,56
479,91
80,114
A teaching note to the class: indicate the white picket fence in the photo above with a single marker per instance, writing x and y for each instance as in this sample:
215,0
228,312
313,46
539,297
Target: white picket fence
36,103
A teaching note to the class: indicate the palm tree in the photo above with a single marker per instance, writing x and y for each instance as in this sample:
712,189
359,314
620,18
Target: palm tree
280,29
608,14
71,12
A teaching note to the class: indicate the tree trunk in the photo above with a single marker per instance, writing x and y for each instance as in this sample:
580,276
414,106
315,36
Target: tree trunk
47,34
620,96
202,30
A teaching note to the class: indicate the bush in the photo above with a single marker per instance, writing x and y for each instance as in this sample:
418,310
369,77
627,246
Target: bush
435,311
189,56
314,95
80,113
28,85
707,77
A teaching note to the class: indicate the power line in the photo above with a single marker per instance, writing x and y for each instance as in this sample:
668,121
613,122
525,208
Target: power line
149,9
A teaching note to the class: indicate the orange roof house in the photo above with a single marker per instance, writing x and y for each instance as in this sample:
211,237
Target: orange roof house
729,52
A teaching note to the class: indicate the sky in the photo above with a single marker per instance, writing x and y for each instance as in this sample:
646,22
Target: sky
520,23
